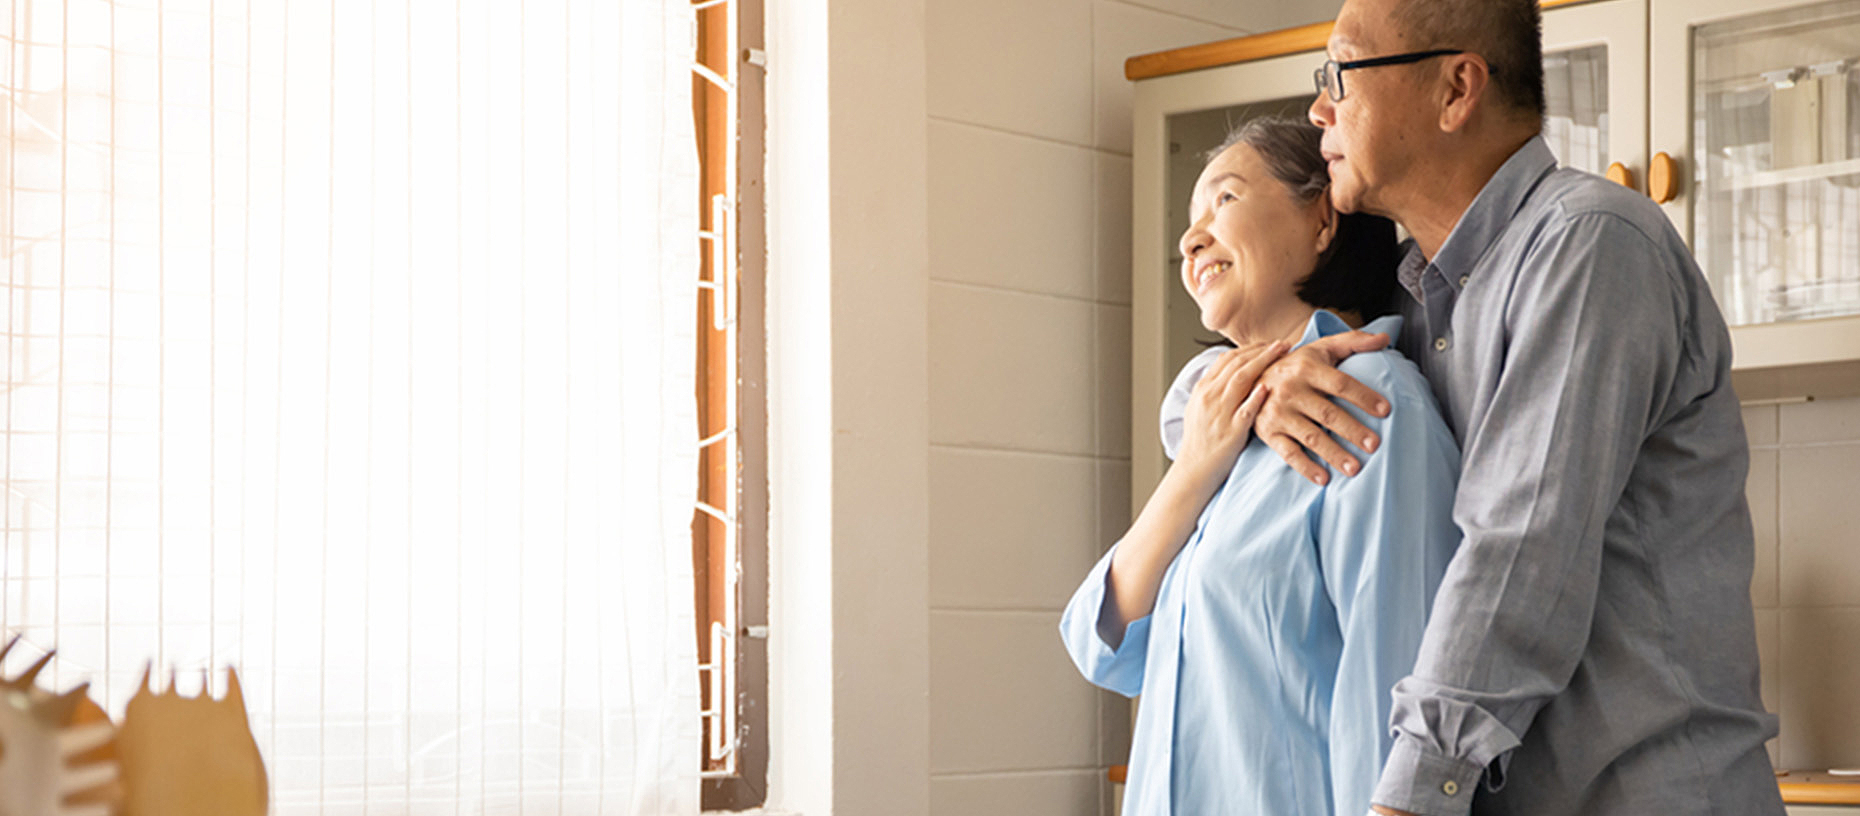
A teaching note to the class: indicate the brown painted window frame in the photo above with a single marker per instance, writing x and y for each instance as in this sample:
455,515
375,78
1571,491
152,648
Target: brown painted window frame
747,786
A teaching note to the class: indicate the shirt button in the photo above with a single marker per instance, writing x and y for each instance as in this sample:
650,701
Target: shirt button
1450,787
1464,279
1440,344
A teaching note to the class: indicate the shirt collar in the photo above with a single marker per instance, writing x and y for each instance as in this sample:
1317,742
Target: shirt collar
1492,210
1324,323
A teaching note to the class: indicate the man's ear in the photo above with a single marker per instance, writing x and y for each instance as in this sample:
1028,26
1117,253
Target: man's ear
1462,90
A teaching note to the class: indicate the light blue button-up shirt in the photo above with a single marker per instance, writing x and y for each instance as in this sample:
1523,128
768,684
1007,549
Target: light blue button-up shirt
1280,626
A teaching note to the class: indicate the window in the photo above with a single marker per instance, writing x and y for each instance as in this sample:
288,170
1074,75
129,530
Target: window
318,364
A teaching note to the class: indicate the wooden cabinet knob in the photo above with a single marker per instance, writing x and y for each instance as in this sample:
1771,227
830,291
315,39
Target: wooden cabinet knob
1663,178
1620,174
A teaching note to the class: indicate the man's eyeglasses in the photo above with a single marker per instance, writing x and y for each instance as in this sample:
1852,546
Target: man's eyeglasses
1329,78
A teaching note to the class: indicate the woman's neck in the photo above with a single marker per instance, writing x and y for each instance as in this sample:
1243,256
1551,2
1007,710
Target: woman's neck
1287,329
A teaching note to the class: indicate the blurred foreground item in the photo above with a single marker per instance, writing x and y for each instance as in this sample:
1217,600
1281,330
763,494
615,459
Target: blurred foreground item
53,749
190,757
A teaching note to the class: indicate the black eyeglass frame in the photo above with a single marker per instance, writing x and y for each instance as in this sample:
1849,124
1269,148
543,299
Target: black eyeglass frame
1329,77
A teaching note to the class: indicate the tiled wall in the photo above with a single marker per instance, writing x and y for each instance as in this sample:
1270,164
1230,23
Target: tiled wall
1805,500
1029,185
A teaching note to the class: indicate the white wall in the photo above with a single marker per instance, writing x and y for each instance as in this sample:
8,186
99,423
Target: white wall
848,483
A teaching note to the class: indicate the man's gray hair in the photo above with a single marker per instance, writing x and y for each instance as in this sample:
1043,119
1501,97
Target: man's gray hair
1507,33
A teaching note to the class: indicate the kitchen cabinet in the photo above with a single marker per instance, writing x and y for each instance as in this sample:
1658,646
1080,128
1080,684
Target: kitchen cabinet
1759,101
1743,116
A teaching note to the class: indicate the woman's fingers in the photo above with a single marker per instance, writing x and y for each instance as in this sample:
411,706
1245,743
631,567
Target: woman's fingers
1247,374
1228,398
1241,368
1227,362
1250,407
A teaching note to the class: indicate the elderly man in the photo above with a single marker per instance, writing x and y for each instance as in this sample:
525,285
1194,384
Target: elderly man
1592,650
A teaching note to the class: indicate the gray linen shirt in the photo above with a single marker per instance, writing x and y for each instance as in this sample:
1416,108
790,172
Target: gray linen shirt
1592,649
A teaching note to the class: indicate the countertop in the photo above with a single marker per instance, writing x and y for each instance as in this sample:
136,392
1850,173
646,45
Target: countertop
1798,787
1818,788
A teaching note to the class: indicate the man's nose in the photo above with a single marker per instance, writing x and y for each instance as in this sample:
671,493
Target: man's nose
1321,110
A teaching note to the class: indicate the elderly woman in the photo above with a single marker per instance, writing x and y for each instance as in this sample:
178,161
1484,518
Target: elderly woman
1262,617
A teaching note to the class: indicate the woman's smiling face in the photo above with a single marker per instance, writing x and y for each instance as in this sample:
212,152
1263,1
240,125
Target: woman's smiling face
1249,243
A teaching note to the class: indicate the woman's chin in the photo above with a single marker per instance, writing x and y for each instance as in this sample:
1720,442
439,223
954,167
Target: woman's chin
1212,323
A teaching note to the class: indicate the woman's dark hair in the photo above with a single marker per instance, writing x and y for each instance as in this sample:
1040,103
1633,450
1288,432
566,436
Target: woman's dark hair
1356,273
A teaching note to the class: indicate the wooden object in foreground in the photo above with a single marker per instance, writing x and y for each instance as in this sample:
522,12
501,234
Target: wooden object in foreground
190,757
47,767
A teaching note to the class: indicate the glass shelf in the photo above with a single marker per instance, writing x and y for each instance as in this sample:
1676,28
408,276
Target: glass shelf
1811,172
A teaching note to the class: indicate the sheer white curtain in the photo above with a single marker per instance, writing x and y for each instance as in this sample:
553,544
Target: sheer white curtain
350,343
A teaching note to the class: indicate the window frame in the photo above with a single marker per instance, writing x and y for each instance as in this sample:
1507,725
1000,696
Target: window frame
739,607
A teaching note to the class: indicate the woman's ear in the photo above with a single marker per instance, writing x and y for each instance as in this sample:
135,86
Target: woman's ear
1327,223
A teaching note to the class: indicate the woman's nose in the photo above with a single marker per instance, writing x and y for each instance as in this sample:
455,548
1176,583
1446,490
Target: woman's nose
1195,238
1193,241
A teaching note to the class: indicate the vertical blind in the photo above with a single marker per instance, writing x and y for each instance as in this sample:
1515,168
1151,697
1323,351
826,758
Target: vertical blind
350,343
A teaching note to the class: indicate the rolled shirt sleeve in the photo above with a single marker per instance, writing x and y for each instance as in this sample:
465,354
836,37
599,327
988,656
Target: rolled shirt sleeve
1591,343
1119,668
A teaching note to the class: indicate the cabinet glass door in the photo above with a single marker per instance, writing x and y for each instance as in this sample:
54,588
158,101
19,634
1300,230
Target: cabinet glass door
1576,107
1595,87
1776,135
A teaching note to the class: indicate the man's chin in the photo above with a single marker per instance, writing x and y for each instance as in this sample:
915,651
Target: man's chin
1345,199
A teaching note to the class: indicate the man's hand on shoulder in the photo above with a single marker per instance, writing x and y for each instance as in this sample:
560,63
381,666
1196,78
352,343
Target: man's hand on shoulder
1299,413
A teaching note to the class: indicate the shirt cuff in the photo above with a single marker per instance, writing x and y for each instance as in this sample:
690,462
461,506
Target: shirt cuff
1418,781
